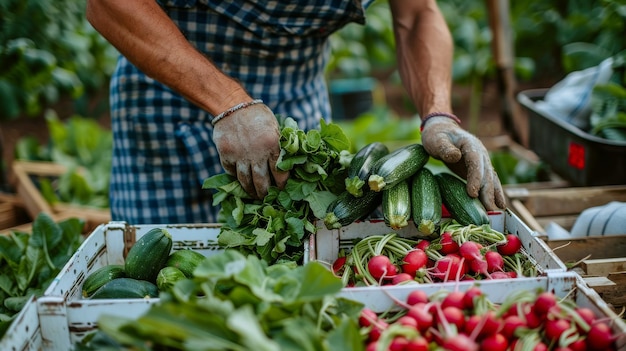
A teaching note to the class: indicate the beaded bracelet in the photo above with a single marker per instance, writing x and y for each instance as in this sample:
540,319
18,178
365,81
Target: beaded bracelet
235,108
439,114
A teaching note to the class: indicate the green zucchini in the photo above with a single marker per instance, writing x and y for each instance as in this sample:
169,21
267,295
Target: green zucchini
126,288
185,260
462,207
148,255
101,276
346,208
396,205
425,202
361,165
399,165
168,276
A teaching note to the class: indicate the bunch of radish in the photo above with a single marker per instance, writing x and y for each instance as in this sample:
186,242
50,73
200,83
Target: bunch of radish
468,321
460,253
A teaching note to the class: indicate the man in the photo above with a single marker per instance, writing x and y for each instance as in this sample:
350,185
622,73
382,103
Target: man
200,82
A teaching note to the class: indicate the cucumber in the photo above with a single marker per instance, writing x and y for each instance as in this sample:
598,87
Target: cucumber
101,276
425,202
361,165
168,276
399,165
126,288
185,260
463,208
396,204
346,208
148,255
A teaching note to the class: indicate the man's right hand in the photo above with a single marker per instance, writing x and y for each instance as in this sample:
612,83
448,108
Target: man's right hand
248,143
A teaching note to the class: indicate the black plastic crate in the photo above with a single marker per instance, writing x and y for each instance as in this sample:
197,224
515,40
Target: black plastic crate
579,157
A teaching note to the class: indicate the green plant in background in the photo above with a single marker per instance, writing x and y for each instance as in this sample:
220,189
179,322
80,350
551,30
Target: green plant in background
47,49
608,104
85,148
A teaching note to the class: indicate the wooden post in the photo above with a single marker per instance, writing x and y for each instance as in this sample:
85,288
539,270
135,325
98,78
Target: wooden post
502,47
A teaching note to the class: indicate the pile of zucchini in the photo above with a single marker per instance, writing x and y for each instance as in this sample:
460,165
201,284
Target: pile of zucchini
150,267
406,191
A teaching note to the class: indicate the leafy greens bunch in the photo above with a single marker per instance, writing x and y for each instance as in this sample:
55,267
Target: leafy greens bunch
274,228
240,303
29,262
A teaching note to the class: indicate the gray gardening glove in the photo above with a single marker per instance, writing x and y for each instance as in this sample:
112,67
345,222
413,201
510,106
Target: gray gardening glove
247,142
466,156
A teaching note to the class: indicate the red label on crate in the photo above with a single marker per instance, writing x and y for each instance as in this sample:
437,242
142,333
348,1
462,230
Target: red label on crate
576,157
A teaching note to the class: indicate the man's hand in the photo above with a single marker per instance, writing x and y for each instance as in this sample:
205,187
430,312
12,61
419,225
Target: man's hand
248,145
466,156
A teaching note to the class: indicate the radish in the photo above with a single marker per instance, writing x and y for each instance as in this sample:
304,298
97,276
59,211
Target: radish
417,344
495,262
380,266
470,296
449,267
422,244
554,328
398,343
600,337
460,342
424,319
338,264
494,342
579,344
402,278
417,296
510,324
512,246
448,245
479,266
453,315
372,346
414,261
470,250
377,330
454,299
544,302
367,317
586,314
502,275
407,321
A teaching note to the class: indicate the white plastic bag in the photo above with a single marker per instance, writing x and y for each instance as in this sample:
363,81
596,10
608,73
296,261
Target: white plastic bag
570,98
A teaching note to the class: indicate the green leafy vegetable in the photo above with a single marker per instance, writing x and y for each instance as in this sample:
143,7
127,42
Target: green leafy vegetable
274,228
241,303
29,262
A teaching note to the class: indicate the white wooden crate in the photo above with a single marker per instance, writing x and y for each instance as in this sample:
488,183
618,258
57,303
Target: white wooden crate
24,333
66,318
325,245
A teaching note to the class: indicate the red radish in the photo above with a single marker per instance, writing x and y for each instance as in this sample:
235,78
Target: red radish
380,266
562,348
460,342
494,342
422,316
541,347
453,315
407,321
454,299
502,275
422,244
511,247
338,264
448,245
470,250
417,344
372,346
377,330
586,314
401,278
470,296
398,343
532,320
449,267
510,324
495,262
579,344
555,327
367,317
544,302
414,261
600,337
479,266
417,296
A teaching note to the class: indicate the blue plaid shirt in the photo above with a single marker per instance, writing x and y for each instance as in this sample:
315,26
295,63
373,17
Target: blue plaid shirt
163,148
